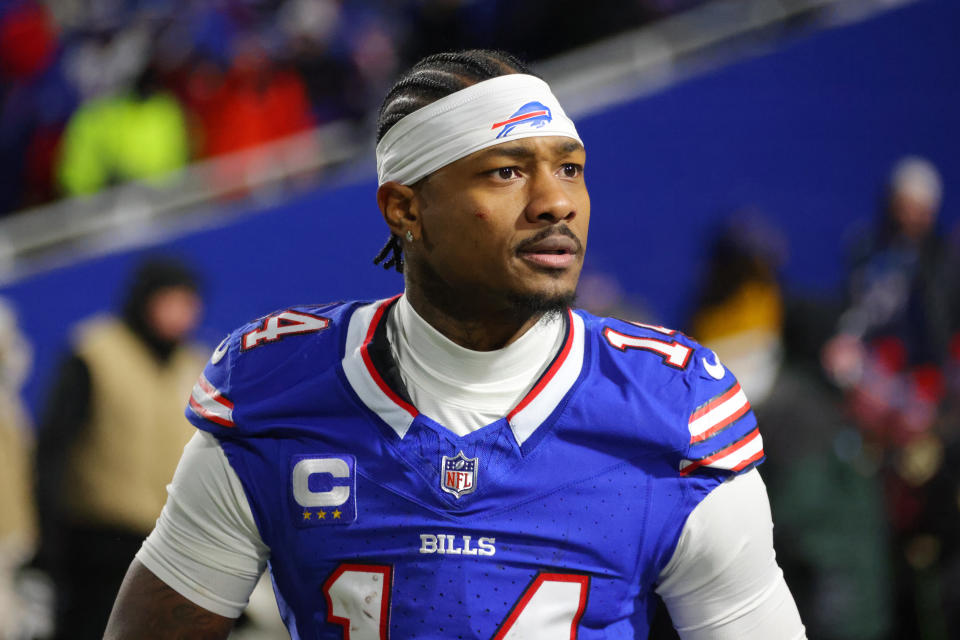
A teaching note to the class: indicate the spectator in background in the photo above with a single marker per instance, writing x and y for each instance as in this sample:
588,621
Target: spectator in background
830,533
900,283
17,517
891,354
139,135
252,104
333,83
35,102
739,311
112,50
110,439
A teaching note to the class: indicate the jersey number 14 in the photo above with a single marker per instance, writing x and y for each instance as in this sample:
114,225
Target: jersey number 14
358,599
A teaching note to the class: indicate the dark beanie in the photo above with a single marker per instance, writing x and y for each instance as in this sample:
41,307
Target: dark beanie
151,276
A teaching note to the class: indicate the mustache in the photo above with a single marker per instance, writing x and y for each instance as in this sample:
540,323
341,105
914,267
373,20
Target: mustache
560,230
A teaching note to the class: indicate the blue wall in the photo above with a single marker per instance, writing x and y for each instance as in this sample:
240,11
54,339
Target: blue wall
805,134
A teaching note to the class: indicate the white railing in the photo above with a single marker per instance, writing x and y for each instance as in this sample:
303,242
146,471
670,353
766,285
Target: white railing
588,79
121,216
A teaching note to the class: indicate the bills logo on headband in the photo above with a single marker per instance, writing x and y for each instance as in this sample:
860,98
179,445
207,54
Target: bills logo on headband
458,475
533,114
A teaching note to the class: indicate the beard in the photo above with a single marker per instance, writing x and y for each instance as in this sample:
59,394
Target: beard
550,306
467,306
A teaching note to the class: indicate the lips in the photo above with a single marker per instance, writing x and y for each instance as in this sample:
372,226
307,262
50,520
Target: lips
555,251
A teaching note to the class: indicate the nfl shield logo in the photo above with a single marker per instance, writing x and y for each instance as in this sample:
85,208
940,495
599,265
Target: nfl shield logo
458,475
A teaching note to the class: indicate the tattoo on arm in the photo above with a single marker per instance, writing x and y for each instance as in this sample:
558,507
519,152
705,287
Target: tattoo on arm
148,609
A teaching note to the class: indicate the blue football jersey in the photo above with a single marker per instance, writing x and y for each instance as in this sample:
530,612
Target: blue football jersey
552,522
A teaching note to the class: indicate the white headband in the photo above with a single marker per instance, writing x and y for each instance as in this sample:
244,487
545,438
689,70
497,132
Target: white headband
484,114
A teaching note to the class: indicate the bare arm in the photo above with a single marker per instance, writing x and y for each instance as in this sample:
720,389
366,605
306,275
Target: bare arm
147,609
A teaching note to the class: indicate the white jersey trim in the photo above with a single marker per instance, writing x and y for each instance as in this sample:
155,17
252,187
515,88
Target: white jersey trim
398,415
553,387
462,389
535,407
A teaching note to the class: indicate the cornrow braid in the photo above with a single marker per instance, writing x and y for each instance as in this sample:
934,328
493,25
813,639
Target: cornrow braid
394,250
435,77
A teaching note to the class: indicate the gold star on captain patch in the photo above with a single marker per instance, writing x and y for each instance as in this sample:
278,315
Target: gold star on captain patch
306,515
322,515
336,514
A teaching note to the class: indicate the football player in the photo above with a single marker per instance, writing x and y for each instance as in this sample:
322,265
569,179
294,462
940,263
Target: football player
472,458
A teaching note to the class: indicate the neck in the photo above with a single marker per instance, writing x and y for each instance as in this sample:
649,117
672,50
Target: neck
473,325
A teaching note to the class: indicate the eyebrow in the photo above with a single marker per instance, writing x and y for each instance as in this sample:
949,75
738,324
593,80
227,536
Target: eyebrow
519,149
570,146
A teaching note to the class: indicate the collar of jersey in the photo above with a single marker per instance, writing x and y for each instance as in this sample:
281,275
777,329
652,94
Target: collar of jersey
372,373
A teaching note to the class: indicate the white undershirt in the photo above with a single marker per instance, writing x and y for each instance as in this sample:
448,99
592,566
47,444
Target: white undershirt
722,582
464,389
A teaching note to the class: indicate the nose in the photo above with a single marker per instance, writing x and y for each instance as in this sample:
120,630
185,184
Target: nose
550,199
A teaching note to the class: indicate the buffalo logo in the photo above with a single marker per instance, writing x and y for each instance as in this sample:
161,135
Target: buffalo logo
458,475
534,114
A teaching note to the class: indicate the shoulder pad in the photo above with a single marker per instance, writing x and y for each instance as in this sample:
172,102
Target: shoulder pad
673,347
262,357
721,430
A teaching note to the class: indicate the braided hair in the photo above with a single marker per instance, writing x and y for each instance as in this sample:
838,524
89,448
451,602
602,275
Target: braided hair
435,77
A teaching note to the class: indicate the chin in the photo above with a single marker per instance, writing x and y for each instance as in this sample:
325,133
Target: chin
538,302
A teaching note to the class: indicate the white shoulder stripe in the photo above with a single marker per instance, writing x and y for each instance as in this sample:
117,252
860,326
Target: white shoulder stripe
718,413
207,402
735,457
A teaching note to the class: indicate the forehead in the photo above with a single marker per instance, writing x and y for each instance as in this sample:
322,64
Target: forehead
546,146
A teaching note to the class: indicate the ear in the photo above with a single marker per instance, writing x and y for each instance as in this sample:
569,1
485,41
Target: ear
400,209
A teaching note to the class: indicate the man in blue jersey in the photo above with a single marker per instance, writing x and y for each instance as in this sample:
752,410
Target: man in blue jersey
472,458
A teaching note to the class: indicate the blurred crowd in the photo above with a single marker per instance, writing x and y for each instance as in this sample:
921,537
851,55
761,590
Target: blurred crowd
98,92
859,405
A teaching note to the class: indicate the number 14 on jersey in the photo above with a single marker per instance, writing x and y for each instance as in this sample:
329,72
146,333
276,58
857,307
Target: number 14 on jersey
358,599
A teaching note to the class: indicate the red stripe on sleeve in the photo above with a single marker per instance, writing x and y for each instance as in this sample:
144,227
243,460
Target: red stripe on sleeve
201,411
722,453
720,426
713,403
